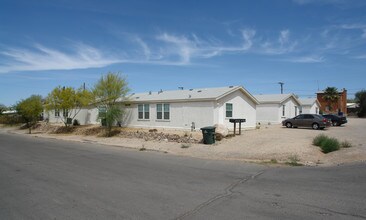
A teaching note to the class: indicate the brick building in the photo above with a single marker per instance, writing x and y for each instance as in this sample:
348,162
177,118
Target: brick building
336,107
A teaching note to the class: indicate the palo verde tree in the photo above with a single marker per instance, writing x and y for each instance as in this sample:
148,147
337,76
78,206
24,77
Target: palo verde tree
360,98
30,109
331,95
107,91
69,100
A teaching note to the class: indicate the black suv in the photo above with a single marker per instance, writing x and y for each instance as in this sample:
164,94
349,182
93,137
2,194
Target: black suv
336,120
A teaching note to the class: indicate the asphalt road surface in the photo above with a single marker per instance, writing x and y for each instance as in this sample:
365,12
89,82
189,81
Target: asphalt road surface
51,179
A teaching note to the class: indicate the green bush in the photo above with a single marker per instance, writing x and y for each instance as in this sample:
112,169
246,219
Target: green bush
326,143
329,145
318,140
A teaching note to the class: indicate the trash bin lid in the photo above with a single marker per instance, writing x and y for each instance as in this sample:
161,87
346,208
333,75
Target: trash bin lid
208,128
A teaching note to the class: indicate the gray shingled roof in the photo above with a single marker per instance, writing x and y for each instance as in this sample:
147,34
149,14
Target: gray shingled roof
273,98
188,94
307,101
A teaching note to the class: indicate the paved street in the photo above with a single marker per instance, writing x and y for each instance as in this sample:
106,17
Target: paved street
50,179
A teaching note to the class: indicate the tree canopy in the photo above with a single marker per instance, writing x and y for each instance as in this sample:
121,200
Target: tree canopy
360,98
30,109
107,91
331,95
69,100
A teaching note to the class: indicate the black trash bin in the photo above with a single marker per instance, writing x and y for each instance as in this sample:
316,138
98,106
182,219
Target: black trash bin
208,135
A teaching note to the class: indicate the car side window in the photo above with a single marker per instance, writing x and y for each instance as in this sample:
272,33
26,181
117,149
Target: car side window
299,117
309,117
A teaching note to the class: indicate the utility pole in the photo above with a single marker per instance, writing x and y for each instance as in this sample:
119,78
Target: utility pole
281,83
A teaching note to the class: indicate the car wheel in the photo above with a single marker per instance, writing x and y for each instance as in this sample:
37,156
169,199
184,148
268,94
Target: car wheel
335,123
288,125
315,126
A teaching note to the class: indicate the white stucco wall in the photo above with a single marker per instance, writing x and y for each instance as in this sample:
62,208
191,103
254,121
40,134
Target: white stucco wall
182,114
85,116
313,109
272,113
243,107
268,113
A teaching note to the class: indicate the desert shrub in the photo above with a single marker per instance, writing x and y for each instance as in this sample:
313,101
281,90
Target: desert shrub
346,144
294,161
319,139
273,160
329,145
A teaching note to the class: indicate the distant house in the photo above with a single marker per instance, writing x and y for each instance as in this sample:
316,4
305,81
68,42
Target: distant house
309,106
339,106
9,112
191,108
352,108
273,108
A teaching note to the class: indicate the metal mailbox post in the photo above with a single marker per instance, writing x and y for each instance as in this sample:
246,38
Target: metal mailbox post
237,120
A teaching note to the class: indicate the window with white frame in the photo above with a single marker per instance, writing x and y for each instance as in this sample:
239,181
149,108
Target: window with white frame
283,110
295,110
229,110
163,111
65,113
57,113
143,111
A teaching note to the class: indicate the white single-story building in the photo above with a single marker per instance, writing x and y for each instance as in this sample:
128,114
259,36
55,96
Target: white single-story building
274,108
85,116
178,109
191,108
309,106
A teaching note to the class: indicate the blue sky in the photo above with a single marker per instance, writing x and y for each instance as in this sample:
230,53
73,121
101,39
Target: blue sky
307,44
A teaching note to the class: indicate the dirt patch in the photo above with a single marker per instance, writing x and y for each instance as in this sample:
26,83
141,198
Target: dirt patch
94,130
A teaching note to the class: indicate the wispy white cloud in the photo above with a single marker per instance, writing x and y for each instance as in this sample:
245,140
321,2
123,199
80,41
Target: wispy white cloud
188,47
282,46
171,49
305,59
361,27
44,58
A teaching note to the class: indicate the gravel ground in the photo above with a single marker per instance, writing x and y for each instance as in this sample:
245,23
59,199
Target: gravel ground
268,143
